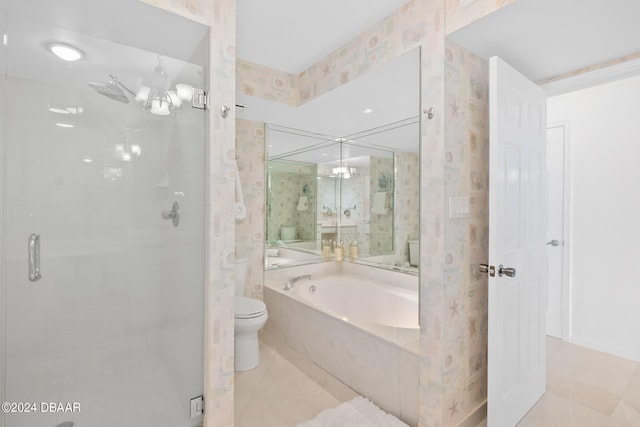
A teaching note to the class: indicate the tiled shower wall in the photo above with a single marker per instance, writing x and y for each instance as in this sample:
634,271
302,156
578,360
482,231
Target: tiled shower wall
120,286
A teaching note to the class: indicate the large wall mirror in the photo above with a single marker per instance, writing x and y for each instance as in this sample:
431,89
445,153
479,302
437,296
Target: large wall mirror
343,171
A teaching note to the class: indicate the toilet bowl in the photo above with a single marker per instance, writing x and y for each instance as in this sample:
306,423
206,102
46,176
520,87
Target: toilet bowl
250,315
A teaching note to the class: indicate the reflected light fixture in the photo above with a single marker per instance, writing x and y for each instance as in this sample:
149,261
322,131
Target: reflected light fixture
157,98
65,51
367,111
64,125
344,171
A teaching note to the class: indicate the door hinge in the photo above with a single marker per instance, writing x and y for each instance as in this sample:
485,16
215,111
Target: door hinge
200,99
197,406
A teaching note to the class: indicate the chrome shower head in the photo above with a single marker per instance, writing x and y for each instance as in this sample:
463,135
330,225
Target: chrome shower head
112,89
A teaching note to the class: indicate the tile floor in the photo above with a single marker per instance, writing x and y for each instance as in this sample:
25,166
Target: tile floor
585,388
285,389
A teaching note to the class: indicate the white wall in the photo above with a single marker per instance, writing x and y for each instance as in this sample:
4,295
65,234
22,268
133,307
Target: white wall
604,126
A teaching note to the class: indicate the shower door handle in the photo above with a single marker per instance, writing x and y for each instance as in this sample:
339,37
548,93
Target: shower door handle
34,257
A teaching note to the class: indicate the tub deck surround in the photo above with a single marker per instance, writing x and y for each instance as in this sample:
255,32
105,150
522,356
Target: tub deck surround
377,360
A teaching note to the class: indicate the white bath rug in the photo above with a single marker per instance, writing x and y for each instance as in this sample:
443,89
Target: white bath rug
359,412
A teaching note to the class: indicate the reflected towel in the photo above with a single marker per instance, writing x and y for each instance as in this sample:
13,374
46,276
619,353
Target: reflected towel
303,203
379,203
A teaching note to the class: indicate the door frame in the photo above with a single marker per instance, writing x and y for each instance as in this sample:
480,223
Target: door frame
566,280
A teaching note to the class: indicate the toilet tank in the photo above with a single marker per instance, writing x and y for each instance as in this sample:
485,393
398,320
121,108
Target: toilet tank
414,253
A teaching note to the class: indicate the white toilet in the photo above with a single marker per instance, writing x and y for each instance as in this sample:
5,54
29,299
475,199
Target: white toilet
250,316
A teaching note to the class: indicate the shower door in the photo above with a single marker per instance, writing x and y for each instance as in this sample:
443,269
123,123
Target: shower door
103,185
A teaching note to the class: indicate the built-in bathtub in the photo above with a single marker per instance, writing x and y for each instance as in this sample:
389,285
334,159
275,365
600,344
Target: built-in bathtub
363,331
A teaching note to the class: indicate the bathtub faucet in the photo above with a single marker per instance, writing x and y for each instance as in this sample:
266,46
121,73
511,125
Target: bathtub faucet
293,280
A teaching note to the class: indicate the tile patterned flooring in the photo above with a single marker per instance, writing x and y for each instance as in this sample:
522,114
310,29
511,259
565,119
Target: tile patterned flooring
585,388
285,389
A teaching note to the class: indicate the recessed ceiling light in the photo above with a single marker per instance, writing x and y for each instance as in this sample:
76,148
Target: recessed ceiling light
325,154
64,125
367,111
65,51
87,160
58,110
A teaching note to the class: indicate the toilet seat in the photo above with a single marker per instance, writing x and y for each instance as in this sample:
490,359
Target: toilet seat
248,308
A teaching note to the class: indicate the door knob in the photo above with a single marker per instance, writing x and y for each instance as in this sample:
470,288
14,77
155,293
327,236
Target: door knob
553,243
506,271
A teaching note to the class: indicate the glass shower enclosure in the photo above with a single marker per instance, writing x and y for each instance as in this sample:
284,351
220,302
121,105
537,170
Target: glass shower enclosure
102,186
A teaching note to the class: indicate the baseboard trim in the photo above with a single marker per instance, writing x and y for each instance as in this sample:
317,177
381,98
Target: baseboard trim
475,417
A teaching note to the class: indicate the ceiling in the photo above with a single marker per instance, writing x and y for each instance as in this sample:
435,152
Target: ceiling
548,38
109,32
541,38
292,35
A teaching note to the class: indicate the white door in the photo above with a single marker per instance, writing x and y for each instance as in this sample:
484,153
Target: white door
517,204
555,242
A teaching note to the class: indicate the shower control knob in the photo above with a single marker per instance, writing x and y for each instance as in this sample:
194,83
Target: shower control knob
173,214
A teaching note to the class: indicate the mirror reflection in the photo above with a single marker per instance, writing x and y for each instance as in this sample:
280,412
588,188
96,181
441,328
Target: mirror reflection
346,203
343,172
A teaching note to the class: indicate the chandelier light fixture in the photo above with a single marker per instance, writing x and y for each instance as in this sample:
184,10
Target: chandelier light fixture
157,98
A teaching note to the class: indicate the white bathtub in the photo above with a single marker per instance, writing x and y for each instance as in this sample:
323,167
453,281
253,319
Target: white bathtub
363,332
362,302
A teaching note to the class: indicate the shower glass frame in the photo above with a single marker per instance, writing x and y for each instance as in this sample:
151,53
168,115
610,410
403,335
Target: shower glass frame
116,323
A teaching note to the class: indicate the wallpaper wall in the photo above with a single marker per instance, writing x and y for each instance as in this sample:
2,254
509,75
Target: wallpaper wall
381,182
250,237
407,202
286,193
355,197
444,373
466,239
